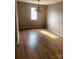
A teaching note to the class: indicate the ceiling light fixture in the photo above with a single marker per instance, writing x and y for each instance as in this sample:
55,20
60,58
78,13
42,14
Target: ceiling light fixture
38,7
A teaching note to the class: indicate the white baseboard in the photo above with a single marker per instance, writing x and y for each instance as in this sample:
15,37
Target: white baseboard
61,35
58,33
31,27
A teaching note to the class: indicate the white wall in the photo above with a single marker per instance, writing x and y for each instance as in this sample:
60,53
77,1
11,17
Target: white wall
55,18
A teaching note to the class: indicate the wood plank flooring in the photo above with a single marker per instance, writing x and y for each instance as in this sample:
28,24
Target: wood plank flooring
39,44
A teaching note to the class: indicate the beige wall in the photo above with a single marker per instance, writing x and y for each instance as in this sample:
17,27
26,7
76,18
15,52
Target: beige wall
55,18
24,14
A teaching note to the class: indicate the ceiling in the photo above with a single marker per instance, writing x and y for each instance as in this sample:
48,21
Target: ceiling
44,2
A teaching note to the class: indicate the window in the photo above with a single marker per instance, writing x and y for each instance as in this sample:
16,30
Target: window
33,13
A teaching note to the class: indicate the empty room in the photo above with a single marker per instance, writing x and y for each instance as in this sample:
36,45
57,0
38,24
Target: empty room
39,29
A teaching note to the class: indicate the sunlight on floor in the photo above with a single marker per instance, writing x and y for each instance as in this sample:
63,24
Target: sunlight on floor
49,34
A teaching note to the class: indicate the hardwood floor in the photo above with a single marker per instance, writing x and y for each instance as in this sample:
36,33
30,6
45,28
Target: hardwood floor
39,44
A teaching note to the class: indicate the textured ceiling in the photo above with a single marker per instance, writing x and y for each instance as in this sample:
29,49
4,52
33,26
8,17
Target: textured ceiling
44,2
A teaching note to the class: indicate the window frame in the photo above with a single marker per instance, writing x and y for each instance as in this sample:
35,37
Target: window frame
33,13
